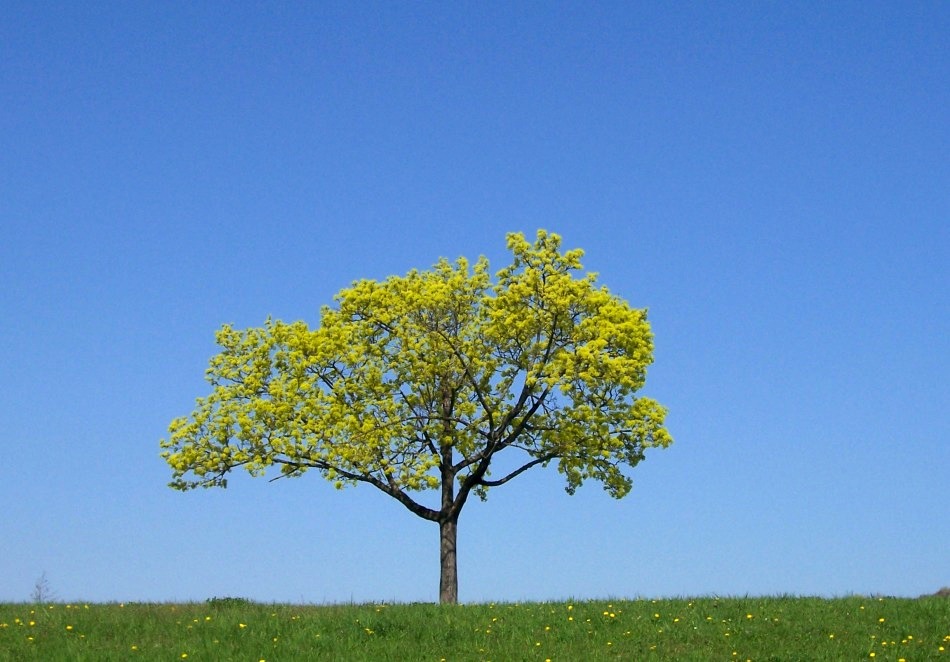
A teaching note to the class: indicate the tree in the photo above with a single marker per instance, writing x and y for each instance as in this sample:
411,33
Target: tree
418,382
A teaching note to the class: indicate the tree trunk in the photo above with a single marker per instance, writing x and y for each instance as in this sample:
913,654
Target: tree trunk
449,579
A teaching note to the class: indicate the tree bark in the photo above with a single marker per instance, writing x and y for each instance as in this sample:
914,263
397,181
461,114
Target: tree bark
449,579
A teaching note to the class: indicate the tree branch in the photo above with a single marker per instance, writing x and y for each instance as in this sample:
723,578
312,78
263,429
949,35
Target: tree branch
526,391
527,417
471,377
517,472
413,506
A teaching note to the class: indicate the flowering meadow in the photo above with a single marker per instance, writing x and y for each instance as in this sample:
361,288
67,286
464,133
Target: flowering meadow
775,628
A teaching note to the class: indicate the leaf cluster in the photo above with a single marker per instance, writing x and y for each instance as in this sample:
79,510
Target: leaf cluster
417,382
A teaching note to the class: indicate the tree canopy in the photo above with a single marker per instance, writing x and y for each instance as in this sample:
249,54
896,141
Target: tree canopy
417,382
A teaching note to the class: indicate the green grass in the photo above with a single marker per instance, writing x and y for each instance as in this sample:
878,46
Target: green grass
777,628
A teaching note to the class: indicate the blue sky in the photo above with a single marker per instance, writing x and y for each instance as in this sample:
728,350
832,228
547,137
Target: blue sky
771,180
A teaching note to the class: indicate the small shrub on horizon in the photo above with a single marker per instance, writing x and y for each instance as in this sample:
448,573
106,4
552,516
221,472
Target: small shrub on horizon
228,602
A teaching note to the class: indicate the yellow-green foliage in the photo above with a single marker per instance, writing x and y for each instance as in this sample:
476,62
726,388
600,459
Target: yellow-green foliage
421,379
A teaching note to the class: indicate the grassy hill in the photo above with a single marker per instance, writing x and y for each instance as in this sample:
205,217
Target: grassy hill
772,628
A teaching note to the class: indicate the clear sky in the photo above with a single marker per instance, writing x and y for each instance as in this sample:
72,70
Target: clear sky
771,180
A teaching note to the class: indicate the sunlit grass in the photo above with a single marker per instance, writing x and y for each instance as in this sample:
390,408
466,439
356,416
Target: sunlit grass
777,628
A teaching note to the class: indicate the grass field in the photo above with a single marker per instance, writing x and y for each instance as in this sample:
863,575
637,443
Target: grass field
776,628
